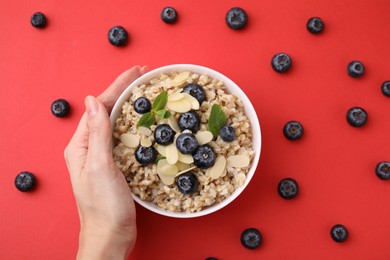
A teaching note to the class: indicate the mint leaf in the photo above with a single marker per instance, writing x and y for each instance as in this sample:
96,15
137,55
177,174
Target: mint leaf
146,120
167,114
217,120
160,101
163,113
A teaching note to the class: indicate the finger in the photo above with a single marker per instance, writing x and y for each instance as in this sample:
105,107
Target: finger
111,94
100,134
76,152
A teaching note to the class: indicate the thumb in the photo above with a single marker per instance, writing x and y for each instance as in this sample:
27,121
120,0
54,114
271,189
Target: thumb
100,133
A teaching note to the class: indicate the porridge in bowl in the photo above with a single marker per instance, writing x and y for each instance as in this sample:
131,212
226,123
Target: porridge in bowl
183,141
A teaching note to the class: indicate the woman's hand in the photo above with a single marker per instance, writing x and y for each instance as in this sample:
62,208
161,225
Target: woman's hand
104,201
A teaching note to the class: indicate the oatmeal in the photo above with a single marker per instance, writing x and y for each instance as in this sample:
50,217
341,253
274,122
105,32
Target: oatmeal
183,142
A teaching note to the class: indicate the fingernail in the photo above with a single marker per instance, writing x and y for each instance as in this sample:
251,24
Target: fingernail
144,69
91,105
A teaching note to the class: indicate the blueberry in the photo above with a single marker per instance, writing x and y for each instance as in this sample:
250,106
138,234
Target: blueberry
169,15
189,120
195,90
187,183
145,155
251,238
25,181
227,133
315,25
204,156
186,143
355,69
281,62
142,105
339,233
357,116
386,88
164,134
60,108
382,170
38,20
236,18
293,130
288,188
118,36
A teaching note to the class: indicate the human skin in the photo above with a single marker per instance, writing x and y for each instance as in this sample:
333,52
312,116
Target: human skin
103,198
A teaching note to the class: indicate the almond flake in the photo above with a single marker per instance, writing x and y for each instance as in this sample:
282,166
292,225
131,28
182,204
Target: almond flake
129,140
166,179
182,77
172,123
169,170
204,137
219,167
144,130
214,145
161,149
161,163
182,166
146,142
239,161
185,170
185,158
172,154
180,106
175,96
194,102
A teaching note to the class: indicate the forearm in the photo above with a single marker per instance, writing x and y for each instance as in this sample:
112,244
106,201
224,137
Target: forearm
97,245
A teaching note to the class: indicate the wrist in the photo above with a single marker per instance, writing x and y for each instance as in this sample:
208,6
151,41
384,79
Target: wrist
95,243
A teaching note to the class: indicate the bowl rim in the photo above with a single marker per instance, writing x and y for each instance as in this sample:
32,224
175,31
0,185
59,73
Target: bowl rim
256,130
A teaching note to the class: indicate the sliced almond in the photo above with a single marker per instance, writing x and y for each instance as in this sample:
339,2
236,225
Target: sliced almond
161,163
172,154
187,131
185,170
129,140
146,142
166,179
144,130
161,167
194,102
185,158
175,96
218,168
182,77
180,106
161,149
239,161
204,137
172,123
214,145
208,172
182,166
169,170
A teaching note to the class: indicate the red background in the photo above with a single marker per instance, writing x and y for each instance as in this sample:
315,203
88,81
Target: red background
333,163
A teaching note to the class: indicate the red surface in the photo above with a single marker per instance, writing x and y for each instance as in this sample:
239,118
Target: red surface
333,163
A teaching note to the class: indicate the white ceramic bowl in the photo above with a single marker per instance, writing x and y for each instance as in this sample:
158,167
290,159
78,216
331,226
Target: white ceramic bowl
232,88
